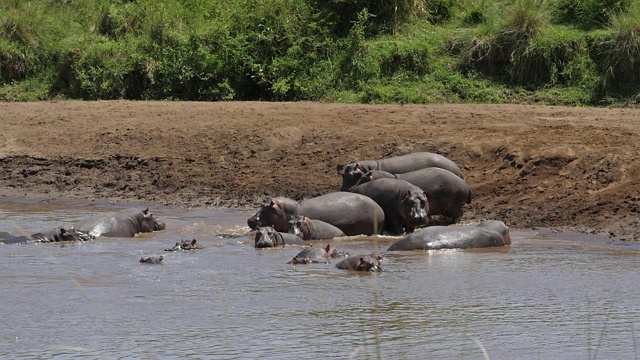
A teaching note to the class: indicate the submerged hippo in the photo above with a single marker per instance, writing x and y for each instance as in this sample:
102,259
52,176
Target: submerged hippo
267,236
55,234
487,233
317,254
405,205
184,245
361,263
125,223
276,213
311,229
151,259
446,192
352,172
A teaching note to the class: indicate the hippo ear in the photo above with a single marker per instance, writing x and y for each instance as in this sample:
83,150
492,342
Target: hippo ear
145,211
327,248
193,242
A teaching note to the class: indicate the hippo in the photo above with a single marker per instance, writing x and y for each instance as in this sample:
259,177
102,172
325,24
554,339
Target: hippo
405,205
151,259
446,192
276,212
361,263
310,229
55,234
267,236
317,254
184,245
352,172
487,233
124,223
354,214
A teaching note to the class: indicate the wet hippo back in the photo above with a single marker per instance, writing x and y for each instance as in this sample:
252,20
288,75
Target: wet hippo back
125,223
354,214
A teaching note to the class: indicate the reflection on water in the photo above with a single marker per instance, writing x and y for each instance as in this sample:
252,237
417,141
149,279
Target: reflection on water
540,298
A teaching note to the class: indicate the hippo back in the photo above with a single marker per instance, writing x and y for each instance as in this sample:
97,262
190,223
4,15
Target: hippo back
125,223
354,214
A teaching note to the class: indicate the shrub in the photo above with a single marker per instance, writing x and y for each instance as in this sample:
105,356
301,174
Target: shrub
622,54
589,14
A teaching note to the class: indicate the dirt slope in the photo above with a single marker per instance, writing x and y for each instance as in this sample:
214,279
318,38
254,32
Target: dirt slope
530,166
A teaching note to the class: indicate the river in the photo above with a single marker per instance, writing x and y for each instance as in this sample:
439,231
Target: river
543,297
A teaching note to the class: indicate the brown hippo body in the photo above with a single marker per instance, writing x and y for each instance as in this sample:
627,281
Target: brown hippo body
487,233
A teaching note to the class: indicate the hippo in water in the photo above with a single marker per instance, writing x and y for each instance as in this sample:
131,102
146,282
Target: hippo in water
276,213
317,254
151,259
405,205
446,192
310,229
267,236
361,263
487,233
352,172
184,245
125,223
352,213
55,234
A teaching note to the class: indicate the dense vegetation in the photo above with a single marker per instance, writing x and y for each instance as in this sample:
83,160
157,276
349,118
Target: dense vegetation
581,52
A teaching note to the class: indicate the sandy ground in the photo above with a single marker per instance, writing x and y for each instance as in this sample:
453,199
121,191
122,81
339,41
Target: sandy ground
529,166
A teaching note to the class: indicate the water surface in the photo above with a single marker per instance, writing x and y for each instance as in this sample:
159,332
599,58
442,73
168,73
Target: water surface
540,298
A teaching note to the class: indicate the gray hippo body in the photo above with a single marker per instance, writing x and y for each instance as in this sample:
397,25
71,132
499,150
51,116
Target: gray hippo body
267,236
55,234
405,205
311,229
361,263
446,192
276,213
352,172
317,254
125,223
487,233
354,214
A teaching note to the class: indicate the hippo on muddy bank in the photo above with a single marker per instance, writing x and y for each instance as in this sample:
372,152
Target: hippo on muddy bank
405,205
55,234
352,172
361,263
267,237
317,254
446,192
487,233
124,223
353,214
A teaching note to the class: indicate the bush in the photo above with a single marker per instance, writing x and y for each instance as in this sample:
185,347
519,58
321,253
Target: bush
622,54
590,14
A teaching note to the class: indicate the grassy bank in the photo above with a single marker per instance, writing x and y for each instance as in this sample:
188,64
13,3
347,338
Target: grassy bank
575,52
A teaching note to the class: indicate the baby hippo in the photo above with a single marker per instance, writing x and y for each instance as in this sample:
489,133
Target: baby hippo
184,245
152,259
309,229
361,263
267,236
317,255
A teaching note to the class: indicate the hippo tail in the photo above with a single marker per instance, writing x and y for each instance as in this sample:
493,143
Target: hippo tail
469,197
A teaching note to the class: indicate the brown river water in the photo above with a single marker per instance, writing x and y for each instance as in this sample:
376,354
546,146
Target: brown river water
541,298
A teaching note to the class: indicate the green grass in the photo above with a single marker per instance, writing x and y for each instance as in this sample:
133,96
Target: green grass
402,51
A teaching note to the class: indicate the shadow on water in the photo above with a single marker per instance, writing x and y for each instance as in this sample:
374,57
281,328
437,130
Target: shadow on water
545,296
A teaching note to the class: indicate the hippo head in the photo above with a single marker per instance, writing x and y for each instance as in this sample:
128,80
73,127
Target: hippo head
267,236
499,227
149,224
61,234
274,213
365,263
351,174
414,208
184,245
254,222
152,259
297,222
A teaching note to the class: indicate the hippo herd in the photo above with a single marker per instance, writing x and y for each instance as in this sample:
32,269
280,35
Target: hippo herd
418,196
393,196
